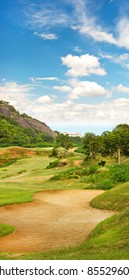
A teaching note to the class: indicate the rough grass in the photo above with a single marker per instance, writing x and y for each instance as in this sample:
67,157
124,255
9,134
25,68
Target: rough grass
114,199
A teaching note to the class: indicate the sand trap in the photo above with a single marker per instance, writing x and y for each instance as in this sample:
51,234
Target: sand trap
55,219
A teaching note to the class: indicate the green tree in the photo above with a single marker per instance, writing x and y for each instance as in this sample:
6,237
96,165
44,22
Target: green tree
116,142
90,144
63,141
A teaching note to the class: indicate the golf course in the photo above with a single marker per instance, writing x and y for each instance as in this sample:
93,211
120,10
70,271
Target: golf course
60,212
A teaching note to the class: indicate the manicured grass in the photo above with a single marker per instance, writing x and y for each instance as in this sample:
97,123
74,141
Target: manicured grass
5,229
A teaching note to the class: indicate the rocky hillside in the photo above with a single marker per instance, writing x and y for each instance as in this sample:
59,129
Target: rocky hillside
25,121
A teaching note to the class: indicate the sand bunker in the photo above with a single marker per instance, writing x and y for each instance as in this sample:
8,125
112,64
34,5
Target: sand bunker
55,219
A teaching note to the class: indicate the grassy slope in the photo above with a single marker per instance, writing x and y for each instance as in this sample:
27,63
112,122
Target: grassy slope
5,229
110,238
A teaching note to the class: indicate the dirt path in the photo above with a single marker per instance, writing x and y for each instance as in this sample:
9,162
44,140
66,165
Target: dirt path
55,219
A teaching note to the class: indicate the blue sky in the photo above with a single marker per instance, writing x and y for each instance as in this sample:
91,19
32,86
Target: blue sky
66,62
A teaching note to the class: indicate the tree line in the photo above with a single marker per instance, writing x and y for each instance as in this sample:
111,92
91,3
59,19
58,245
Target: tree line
110,143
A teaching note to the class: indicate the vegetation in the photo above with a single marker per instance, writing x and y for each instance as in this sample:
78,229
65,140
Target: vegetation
5,229
12,134
113,143
94,162
110,238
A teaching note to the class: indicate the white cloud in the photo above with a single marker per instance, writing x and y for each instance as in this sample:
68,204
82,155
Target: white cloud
107,56
46,36
87,88
124,56
83,65
78,88
87,25
67,113
45,99
46,16
35,79
123,59
121,88
63,88
98,34
123,31
15,93
77,49
53,113
14,87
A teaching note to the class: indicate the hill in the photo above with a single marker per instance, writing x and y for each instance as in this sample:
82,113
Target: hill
21,129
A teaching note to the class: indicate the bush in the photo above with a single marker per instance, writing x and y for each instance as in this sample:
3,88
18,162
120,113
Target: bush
53,164
62,163
80,150
82,171
55,177
92,169
73,176
106,184
120,173
22,171
102,170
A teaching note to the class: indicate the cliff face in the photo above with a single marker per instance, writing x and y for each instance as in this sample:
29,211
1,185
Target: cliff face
24,120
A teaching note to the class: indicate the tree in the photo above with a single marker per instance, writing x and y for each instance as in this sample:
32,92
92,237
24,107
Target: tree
63,141
116,142
90,144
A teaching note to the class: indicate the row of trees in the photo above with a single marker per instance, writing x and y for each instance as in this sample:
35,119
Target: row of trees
109,143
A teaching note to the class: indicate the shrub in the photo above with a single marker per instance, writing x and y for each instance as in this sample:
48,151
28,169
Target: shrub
92,169
106,184
53,164
102,170
120,173
73,176
22,171
82,171
80,150
62,163
55,177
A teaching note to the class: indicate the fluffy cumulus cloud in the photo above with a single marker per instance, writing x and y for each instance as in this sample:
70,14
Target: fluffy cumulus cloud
45,99
13,87
17,94
78,88
121,88
87,88
49,110
83,65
